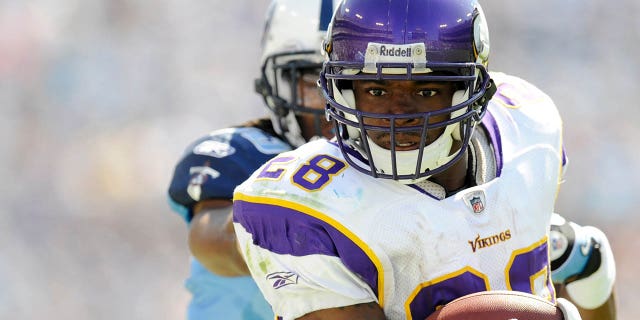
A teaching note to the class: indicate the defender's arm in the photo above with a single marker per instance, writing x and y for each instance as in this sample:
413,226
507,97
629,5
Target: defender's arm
583,268
212,239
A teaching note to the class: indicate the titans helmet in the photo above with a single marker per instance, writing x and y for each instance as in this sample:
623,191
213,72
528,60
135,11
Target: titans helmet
292,49
418,40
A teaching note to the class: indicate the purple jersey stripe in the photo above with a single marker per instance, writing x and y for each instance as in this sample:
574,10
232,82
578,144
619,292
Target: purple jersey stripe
287,228
491,125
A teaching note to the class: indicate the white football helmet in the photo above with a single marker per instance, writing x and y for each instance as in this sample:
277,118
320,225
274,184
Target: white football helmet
291,48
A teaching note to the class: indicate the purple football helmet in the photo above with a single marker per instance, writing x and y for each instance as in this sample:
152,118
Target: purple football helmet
418,40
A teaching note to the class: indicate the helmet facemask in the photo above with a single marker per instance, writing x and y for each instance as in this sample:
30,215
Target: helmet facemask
384,40
279,85
436,138
291,53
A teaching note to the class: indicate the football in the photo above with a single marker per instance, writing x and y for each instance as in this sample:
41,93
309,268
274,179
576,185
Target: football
498,305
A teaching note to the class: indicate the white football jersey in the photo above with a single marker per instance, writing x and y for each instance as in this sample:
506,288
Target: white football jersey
317,234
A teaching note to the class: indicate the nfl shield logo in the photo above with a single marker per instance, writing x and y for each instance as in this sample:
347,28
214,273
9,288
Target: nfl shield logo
476,204
475,200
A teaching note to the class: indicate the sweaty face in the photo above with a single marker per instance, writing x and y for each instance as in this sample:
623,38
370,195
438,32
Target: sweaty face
396,97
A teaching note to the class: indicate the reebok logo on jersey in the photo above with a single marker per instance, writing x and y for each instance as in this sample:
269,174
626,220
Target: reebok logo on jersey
283,278
481,243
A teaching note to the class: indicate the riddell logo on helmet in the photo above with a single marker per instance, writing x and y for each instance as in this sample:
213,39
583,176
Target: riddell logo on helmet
395,51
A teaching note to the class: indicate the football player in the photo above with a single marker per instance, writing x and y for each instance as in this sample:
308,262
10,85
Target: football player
441,181
204,178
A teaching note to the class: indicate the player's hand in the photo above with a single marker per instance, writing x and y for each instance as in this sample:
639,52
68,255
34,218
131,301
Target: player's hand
569,310
575,250
582,261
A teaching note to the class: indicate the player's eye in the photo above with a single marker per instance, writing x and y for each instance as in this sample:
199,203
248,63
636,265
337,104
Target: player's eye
427,92
377,92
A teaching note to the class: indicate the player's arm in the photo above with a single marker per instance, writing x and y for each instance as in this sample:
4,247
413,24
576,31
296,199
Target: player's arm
202,186
583,268
295,259
606,311
212,240
364,311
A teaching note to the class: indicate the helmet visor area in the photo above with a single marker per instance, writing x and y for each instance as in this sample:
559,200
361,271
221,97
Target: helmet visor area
285,80
289,86
410,131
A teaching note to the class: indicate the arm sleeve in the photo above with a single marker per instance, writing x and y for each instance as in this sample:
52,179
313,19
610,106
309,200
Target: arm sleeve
301,262
297,285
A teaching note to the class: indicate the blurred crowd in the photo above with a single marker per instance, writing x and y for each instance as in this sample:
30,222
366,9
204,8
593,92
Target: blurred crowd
98,99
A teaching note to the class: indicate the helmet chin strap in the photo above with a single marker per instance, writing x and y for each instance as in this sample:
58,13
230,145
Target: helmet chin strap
287,126
434,154
293,134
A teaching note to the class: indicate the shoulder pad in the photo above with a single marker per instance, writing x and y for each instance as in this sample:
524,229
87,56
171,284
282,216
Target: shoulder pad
215,164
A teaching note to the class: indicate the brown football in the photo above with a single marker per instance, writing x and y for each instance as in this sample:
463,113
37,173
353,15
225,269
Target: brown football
498,305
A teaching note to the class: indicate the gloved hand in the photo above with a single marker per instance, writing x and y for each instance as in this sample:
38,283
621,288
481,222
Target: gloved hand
569,311
582,261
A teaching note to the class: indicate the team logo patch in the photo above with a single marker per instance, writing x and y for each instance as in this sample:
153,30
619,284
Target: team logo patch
475,201
282,279
214,148
558,243
199,175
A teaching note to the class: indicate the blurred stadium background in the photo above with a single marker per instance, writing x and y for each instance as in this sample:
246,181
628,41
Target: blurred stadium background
98,98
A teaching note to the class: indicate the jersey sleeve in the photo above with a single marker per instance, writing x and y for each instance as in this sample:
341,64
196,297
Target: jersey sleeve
301,262
215,164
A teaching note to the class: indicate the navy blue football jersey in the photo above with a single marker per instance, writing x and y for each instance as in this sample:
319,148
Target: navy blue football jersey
215,164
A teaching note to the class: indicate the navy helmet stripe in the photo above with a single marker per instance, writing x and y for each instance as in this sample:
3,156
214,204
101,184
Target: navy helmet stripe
326,12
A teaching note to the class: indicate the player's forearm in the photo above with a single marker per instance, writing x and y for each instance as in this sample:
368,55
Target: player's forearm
606,311
212,241
218,257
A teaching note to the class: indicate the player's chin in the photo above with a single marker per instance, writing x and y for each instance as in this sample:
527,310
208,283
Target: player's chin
494,305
